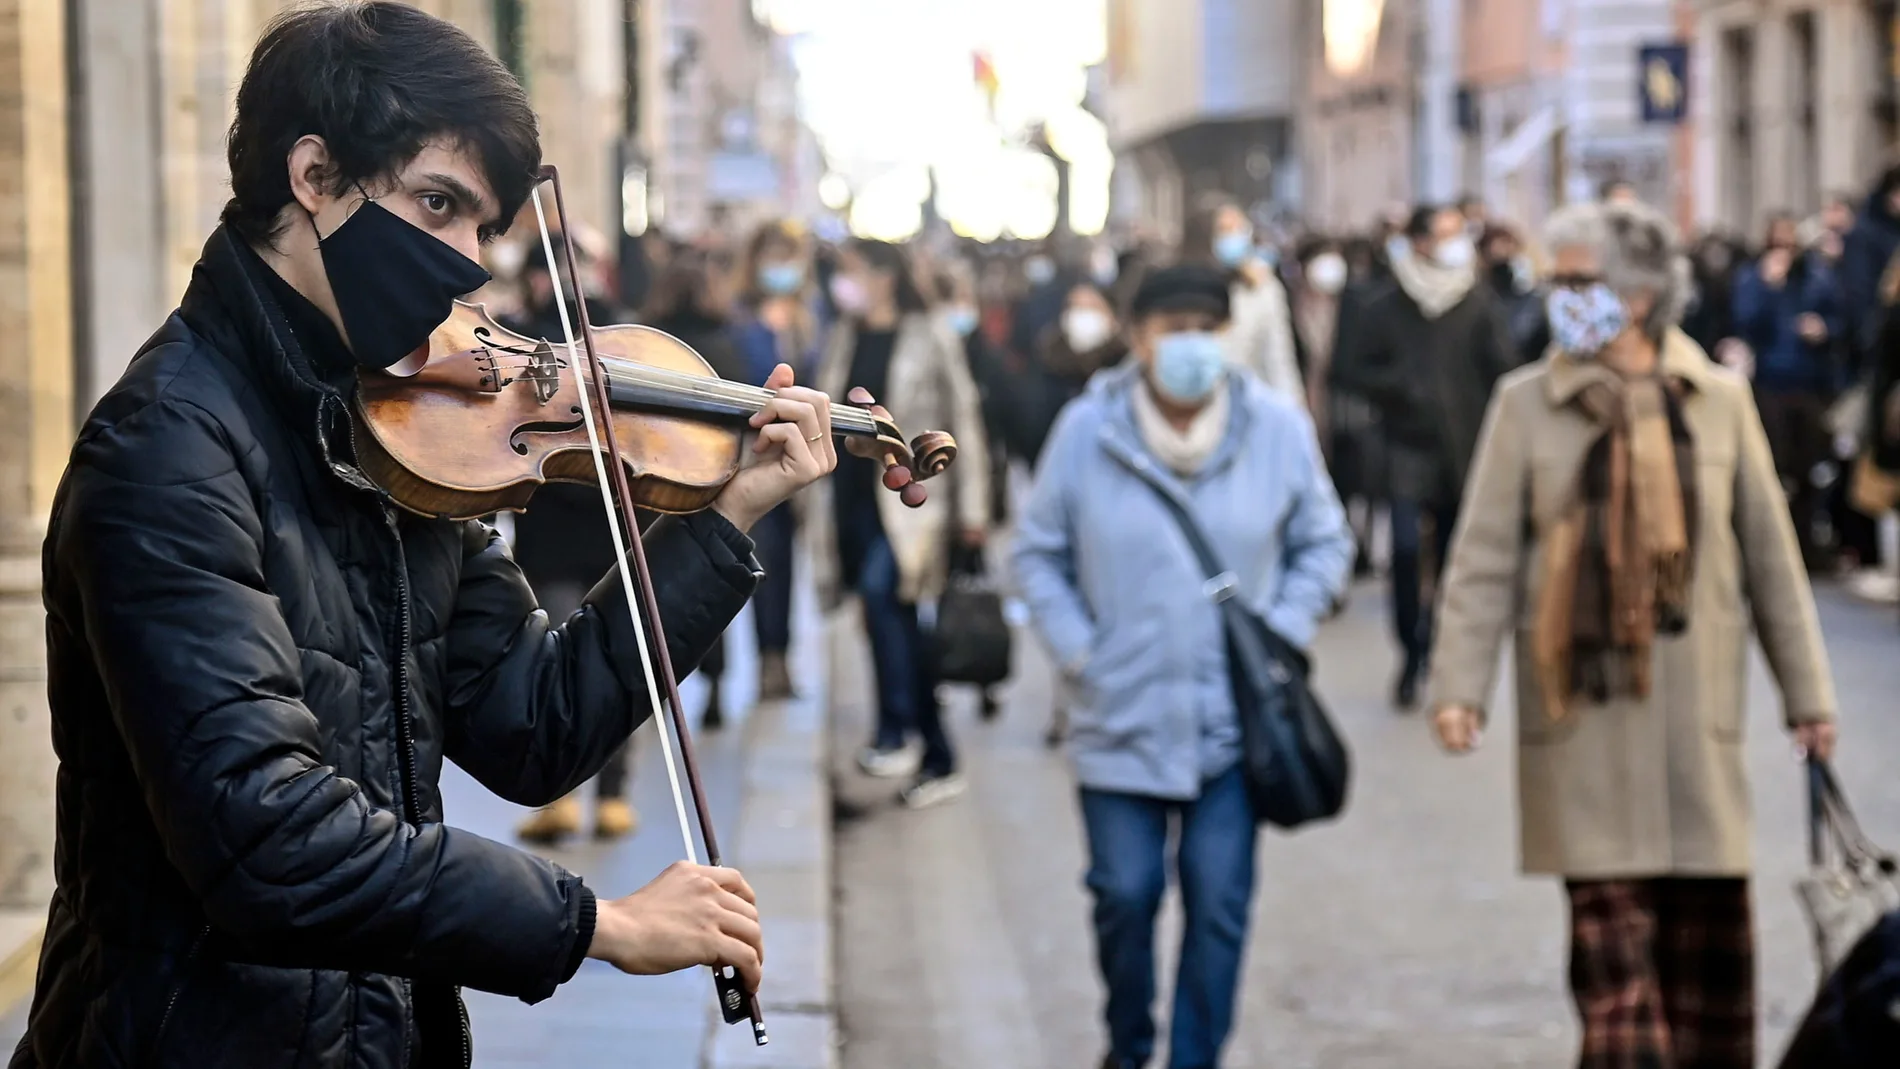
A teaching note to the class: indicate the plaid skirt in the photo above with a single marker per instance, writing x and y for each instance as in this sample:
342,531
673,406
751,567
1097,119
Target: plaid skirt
1663,973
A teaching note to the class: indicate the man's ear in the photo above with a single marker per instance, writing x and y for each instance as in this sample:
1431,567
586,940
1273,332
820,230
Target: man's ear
311,172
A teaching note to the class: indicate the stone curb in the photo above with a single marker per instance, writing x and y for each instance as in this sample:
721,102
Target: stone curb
782,841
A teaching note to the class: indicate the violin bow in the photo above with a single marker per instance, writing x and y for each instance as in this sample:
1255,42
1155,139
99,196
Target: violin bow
735,1004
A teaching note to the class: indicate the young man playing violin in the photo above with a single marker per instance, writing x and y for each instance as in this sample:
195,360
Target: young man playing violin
258,664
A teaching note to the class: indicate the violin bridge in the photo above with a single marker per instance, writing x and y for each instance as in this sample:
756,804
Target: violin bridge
538,366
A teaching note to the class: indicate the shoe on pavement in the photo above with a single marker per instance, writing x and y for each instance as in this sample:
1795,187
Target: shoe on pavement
775,678
894,763
933,788
1870,584
615,819
1405,692
551,823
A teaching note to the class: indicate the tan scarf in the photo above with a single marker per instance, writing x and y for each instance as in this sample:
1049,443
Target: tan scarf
1619,562
1184,452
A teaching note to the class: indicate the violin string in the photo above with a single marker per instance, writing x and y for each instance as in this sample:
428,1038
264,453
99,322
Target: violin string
856,420
620,546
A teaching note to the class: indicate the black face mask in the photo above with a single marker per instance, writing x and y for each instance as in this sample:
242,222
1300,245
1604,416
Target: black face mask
394,283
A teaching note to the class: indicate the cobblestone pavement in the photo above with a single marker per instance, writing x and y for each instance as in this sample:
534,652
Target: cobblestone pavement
1401,937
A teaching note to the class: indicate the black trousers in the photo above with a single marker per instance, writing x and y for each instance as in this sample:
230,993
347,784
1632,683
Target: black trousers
1796,422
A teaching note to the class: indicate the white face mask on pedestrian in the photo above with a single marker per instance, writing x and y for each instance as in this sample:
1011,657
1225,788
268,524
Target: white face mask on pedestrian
1455,253
1327,273
1086,329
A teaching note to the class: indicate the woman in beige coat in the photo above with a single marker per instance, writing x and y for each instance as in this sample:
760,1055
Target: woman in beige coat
887,345
1624,524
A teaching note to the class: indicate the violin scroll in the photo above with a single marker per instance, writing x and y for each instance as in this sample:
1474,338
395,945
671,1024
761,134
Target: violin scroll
931,453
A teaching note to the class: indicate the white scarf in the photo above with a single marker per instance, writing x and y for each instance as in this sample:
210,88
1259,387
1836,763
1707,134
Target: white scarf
1184,452
1436,288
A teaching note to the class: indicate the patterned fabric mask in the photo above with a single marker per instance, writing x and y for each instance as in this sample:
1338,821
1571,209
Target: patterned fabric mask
1582,322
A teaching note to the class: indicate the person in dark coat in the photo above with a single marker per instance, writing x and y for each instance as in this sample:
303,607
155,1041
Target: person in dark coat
1714,261
1788,310
775,325
1086,338
1426,351
563,546
1870,245
258,662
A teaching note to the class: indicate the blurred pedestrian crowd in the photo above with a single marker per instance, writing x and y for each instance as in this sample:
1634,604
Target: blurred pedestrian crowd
1585,435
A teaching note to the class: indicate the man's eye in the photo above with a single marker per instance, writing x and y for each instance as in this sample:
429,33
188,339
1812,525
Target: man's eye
437,203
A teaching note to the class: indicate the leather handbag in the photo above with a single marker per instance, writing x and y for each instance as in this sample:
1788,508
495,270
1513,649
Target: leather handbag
1297,767
1851,883
972,635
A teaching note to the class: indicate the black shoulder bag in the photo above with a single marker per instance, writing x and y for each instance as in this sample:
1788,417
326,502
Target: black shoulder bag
1297,766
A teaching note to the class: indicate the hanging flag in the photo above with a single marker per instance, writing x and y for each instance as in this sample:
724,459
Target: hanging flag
986,78
1662,72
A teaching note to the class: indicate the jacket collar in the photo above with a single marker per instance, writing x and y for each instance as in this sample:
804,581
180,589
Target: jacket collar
1122,440
229,305
1682,360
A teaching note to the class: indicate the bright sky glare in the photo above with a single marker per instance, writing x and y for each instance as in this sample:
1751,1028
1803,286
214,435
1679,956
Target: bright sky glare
889,88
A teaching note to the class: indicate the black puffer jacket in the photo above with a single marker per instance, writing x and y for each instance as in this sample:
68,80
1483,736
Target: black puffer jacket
257,667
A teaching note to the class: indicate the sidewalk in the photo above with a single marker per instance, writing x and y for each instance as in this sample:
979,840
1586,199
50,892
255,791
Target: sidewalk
765,779
20,931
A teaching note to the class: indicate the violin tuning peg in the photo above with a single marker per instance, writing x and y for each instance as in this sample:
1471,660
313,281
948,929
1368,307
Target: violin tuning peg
897,476
914,494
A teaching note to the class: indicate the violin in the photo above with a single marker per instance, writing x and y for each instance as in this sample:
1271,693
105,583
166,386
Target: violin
491,415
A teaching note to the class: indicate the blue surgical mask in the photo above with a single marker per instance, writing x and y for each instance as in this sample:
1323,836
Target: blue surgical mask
962,319
1233,248
1583,322
1189,365
781,279
1397,247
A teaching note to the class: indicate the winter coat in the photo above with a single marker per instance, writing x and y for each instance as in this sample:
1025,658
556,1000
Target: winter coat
1260,335
257,666
1118,596
1765,318
1057,377
1634,788
929,388
1428,378
1869,248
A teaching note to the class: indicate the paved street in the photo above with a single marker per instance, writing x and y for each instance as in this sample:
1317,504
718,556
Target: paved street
1402,937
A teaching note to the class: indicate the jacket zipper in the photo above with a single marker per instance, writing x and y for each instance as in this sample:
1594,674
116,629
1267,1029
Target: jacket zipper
405,731
171,1003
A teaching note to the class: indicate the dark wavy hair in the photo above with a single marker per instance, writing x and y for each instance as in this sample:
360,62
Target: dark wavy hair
893,260
377,81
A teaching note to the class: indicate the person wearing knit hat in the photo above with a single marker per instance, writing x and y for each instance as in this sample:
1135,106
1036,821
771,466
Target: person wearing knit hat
1118,596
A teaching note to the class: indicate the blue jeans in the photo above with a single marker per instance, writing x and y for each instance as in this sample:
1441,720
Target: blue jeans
1128,854
1411,612
906,679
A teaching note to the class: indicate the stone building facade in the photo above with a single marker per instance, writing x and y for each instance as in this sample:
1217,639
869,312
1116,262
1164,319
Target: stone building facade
1357,130
1794,102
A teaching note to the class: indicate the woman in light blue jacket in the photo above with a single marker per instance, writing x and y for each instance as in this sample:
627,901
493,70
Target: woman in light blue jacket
1120,600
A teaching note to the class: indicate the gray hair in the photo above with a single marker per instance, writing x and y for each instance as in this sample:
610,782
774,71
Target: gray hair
1638,250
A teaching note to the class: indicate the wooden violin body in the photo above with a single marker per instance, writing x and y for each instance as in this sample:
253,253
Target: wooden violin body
492,415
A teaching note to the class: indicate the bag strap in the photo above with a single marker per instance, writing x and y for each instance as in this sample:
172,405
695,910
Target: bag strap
1829,816
1221,583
